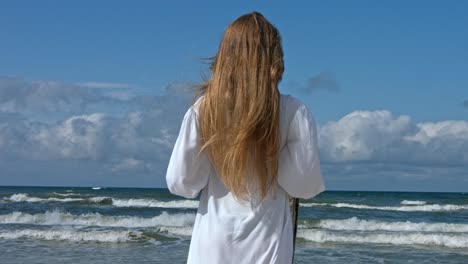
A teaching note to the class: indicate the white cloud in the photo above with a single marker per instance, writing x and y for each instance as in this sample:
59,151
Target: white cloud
379,136
50,99
21,96
97,136
78,137
139,139
445,129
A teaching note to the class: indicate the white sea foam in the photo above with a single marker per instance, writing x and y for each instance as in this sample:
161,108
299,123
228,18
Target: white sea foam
408,208
154,203
410,202
453,241
355,223
183,231
57,217
72,235
99,199
23,197
67,194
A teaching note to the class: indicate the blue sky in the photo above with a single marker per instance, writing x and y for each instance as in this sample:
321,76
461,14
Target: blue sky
90,91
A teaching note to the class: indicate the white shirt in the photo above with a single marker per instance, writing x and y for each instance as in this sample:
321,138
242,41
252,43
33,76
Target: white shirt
229,231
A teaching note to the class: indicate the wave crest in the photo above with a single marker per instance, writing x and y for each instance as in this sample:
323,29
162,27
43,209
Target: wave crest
57,217
410,202
453,241
103,200
406,208
72,235
355,223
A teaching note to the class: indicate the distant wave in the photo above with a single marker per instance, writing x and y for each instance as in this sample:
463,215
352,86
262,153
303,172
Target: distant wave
320,236
355,223
407,205
406,208
66,194
23,197
154,203
409,202
102,200
57,217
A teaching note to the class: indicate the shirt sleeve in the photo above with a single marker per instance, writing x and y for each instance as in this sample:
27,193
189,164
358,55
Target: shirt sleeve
299,170
187,174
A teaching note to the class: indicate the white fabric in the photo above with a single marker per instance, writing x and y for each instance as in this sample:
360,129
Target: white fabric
229,231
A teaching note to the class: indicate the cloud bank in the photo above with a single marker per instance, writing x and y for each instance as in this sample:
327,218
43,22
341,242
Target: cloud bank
379,136
94,137
138,139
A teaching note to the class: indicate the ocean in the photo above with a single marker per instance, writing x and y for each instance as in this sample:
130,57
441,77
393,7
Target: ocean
144,225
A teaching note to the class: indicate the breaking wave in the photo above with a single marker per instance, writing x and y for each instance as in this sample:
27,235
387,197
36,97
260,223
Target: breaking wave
409,202
96,227
23,197
73,235
102,200
57,217
66,194
406,208
355,223
446,240
154,203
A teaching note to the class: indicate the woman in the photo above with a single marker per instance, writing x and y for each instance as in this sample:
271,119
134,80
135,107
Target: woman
245,147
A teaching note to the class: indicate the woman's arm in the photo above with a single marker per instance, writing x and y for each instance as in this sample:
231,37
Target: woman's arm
187,174
299,170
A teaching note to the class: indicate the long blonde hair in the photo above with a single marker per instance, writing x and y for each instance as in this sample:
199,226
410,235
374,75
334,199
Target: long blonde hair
239,113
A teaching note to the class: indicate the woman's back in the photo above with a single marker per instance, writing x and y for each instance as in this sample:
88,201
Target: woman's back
229,230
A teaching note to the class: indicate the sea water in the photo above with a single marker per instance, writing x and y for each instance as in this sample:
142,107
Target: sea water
137,225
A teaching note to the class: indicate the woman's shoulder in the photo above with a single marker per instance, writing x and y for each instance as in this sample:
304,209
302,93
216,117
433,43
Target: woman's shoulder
291,104
290,101
195,105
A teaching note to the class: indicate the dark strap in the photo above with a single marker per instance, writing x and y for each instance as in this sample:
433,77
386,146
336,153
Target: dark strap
294,206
